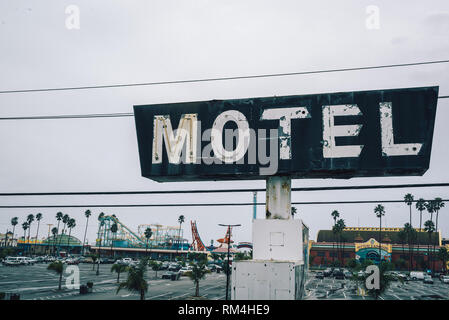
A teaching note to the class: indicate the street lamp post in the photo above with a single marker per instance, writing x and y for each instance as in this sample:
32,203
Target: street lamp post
229,246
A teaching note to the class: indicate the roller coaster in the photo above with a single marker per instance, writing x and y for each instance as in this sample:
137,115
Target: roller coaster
162,237
165,237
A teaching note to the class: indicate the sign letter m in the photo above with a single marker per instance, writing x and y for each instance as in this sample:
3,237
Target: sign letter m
174,141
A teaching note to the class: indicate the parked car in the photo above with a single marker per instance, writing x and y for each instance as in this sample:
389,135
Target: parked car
445,279
125,261
347,274
428,279
12,261
71,261
319,275
339,275
327,272
174,267
171,275
184,270
417,275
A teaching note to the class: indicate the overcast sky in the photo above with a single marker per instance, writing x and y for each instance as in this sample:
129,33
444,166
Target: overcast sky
133,41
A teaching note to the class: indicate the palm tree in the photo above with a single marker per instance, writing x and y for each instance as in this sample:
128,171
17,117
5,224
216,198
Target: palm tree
14,222
136,279
65,220
148,233
420,206
155,266
38,219
54,232
408,199
25,227
87,214
198,272
59,216
101,220
58,267
402,236
443,255
408,231
114,229
340,227
119,268
180,221
379,210
335,214
429,227
437,205
70,224
30,219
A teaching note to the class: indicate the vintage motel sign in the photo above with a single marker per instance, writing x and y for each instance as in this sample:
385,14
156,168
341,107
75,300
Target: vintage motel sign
332,135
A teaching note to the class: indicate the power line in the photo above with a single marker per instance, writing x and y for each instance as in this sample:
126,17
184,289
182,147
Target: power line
90,193
229,204
224,78
88,116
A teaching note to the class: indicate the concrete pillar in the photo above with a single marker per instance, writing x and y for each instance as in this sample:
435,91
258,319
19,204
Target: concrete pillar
278,203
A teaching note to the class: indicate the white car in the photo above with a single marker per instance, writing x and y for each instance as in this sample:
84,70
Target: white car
445,279
417,275
12,261
184,270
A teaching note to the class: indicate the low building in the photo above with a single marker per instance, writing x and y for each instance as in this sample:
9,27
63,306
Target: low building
363,244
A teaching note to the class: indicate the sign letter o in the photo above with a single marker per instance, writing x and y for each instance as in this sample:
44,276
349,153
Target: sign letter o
217,136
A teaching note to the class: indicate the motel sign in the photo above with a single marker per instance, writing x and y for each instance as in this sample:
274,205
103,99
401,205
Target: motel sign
332,135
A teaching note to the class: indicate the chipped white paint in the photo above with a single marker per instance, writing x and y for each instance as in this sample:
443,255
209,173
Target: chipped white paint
174,141
389,148
217,136
285,115
278,197
330,131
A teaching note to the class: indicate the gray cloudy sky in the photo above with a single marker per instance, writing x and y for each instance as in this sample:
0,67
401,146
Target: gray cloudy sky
142,41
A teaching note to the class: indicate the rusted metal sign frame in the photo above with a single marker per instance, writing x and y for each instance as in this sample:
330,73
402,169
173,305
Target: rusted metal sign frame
409,112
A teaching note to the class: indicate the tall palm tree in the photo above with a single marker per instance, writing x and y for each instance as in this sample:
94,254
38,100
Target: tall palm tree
379,210
430,206
30,219
65,220
87,214
335,214
429,227
402,236
180,221
54,232
148,233
59,216
340,227
114,229
14,222
437,205
408,231
420,206
38,219
70,225
408,199
25,227
101,220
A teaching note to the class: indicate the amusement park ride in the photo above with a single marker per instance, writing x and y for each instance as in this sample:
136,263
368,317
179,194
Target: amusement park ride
164,237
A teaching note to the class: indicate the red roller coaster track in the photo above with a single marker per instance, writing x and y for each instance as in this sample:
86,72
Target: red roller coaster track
197,243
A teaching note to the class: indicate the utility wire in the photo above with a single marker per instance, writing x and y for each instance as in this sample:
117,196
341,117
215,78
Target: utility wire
96,193
224,78
87,116
230,204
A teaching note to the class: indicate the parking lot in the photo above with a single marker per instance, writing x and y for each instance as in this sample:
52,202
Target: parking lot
37,283
333,289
